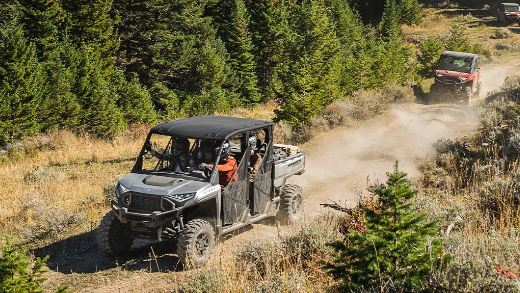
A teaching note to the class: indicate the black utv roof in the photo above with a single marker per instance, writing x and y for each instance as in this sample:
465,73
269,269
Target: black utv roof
213,127
459,55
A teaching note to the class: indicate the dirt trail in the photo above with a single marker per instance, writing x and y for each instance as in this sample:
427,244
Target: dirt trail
339,162
494,75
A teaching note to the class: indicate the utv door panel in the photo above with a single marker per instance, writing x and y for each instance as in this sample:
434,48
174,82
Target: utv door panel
263,183
235,203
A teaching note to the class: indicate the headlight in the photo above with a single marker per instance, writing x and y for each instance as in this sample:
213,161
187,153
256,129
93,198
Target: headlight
463,79
439,75
183,196
120,189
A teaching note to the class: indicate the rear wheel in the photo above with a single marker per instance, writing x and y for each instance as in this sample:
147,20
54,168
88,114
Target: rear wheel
196,243
113,237
291,204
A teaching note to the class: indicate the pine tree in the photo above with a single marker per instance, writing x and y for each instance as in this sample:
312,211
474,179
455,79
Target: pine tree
312,79
390,22
394,64
165,101
174,44
18,273
410,11
59,107
430,53
100,115
271,34
351,33
21,84
11,11
92,23
43,21
240,48
398,248
136,102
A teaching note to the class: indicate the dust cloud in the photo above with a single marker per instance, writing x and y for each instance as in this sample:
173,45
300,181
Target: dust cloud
341,161
494,75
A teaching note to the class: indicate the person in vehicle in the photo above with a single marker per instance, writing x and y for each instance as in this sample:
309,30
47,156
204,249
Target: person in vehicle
179,158
227,164
255,159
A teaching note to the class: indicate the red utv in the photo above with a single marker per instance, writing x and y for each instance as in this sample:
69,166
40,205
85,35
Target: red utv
457,77
508,13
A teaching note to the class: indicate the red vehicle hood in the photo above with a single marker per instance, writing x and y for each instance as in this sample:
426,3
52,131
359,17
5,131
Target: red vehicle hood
455,74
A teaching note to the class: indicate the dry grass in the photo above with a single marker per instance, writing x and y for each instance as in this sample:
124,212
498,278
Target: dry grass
481,31
361,105
59,187
291,263
55,185
472,188
263,111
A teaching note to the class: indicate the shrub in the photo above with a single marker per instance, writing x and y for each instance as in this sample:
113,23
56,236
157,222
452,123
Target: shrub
19,273
212,280
361,105
503,33
512,80
430,52
478,263
45,221
398,248
297,251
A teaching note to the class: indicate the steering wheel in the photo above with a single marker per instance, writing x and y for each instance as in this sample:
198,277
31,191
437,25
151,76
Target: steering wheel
206,169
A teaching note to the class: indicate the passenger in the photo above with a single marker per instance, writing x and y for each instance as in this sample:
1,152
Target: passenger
182,161
227,164
255,160
179,158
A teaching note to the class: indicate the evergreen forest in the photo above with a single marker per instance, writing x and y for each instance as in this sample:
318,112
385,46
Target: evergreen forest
97,66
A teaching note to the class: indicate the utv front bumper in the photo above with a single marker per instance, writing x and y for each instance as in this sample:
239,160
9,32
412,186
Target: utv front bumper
151,220
455,89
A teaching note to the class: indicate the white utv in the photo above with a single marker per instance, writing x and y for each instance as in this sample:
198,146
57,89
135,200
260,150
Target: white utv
176,191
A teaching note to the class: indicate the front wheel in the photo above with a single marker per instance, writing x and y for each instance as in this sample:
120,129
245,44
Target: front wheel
291,204
113,237
196,244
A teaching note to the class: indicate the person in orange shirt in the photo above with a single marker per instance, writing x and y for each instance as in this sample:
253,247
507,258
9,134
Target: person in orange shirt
227,164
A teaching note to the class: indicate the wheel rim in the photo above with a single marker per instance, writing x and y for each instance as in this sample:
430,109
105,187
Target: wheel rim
201,244
296,205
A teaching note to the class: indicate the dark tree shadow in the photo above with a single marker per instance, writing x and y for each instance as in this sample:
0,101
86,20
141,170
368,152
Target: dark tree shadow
79,254
515,30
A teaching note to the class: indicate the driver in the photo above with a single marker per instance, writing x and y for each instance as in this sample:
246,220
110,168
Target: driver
227,164
179,158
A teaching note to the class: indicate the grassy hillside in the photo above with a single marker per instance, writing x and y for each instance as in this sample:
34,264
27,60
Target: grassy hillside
54,188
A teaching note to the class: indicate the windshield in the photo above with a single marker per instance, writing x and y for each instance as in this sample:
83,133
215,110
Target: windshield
457,64
511,8
176,156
